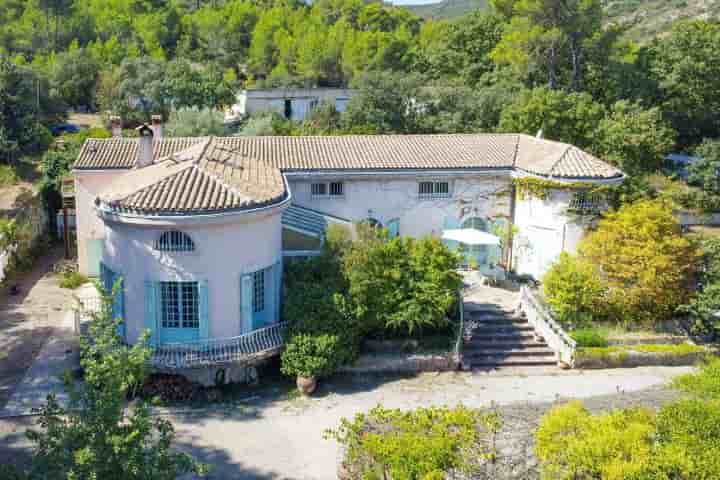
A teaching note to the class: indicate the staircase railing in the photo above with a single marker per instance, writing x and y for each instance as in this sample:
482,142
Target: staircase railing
544,324
457,351
217,351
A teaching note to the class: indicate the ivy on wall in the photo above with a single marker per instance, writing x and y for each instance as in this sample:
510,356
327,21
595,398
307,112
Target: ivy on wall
531,187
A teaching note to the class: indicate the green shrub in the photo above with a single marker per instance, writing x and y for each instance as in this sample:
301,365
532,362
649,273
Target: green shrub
573,289
705,383
311,355
681,442
573,444
8,176
73,280
401,285
588,337
423,444
643,261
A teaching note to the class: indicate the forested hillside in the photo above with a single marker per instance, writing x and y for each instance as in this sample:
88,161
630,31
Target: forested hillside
644,18
518,66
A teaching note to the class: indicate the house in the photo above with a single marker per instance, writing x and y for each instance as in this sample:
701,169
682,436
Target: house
293,103
198,228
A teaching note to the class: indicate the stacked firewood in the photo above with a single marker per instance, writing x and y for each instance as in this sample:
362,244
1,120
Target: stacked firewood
171,388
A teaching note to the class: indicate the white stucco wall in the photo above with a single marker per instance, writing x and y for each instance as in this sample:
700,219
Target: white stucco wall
87,187
386,198
544,230
222,253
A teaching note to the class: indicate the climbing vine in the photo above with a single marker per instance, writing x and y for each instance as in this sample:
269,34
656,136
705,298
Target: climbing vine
541,188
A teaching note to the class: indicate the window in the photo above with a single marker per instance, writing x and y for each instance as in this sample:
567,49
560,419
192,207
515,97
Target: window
318,189
336,189
258,291
179,305
434,189
174,241
332,189
586,202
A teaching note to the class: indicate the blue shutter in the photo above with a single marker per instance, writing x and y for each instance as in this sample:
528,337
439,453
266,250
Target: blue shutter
119,305
151,310
394,227
278,290
204,309
270,302
246,295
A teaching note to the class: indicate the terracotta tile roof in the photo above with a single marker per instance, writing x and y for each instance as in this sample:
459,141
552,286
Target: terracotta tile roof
121,153
376,152
560,160
206,178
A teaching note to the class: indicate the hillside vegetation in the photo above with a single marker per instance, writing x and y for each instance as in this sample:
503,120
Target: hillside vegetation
645,18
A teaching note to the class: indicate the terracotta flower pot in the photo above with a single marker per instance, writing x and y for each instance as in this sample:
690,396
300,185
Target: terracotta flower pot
306,385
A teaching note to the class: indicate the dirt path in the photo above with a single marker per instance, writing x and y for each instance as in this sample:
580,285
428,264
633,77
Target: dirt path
27,320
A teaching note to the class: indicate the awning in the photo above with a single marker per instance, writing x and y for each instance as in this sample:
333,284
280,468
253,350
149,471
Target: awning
470,236
309,222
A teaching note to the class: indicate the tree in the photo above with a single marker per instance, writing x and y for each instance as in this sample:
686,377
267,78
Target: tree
562,116
704,173
634,138
20,114
459,49
193,122
401,285
688,80
643,260
550,36
93,437
73,76
574,291
386,103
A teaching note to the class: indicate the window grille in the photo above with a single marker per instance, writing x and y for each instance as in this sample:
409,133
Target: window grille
259,291
179,305
318,189
434,189
586,202
332,189
337,189
174,241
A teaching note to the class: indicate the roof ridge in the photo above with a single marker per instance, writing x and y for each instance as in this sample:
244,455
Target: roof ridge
557,162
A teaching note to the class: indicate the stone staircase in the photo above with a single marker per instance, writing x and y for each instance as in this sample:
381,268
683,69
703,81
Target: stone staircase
496,338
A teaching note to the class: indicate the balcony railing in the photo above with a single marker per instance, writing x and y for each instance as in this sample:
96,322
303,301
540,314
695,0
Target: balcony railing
200,353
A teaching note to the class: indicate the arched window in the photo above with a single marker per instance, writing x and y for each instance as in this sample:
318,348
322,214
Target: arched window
174,241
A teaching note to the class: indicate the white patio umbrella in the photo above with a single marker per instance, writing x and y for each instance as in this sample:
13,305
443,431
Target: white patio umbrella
470,236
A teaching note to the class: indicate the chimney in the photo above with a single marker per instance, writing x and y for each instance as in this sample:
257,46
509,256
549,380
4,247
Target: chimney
157,126
116,126
145,146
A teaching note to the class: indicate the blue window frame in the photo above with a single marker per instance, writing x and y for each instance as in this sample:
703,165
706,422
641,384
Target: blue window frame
108,279
259,291
175,241
179,305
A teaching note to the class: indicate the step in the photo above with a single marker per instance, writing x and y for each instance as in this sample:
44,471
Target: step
512,344
510,362
512,352
505,335
497,328
499,321
490,313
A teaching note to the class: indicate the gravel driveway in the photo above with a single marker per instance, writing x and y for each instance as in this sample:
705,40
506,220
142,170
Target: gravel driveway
277,437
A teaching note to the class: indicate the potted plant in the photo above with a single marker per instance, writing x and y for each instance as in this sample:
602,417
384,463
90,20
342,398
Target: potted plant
308,357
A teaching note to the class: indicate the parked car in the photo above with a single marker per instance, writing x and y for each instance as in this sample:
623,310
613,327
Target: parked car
62,128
